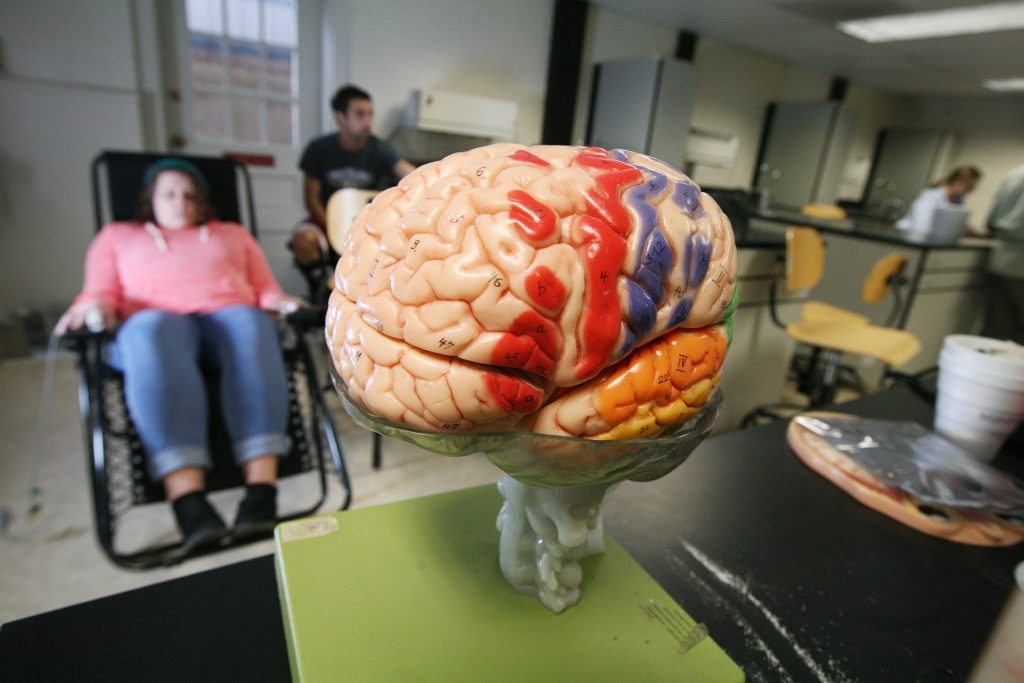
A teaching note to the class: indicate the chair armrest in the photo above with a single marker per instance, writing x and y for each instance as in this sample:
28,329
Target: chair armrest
307,318
77,339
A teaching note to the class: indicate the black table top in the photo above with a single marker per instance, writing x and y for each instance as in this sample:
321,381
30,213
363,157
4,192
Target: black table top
792,577
865,228
796,580
219,625
748,237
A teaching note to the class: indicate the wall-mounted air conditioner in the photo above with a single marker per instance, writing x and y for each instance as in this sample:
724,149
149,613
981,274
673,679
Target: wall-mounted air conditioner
448,112
712,148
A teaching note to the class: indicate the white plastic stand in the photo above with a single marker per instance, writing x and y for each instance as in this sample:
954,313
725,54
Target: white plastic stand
545,532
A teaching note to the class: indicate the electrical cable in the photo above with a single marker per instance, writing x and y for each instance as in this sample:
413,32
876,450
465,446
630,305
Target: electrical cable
35,489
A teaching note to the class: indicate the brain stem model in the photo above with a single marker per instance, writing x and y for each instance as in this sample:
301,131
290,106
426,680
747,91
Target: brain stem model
544,535
576,292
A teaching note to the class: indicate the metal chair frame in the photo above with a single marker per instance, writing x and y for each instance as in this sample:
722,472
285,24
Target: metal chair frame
114,451
819,379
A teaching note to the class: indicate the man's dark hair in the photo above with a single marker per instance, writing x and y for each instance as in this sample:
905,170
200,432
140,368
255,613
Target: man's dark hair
346,94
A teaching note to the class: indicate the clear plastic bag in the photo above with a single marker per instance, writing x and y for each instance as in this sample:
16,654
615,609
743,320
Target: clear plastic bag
907,456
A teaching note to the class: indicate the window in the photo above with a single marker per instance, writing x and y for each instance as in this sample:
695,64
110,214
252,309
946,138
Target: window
243,65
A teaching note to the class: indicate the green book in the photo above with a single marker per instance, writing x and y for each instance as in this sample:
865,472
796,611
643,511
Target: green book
412,591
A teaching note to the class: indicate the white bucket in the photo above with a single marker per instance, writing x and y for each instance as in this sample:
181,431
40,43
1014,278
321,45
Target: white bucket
980,393
978,431
982,390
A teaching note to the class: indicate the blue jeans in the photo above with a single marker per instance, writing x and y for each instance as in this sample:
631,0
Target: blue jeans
163,355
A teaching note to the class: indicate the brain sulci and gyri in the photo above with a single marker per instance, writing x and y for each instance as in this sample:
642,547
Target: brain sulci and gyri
572,291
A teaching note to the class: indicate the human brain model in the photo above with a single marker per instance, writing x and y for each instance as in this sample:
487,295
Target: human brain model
562,290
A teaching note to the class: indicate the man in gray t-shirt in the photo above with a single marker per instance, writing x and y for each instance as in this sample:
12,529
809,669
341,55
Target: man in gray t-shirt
352,157
369,168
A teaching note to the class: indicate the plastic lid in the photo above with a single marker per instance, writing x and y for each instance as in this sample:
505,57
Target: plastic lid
995,355
974,367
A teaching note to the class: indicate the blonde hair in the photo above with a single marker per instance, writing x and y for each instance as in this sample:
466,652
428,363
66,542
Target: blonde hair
959,173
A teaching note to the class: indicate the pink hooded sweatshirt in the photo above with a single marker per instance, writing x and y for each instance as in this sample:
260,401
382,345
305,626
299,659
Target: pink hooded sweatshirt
134,266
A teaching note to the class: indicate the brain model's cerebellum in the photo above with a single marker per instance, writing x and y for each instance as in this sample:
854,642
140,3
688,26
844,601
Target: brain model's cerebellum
564,290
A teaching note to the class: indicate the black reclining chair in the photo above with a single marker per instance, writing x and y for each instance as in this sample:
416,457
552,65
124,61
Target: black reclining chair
115,453
319,277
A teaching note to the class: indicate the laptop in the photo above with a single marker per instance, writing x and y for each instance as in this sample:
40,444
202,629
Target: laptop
948,224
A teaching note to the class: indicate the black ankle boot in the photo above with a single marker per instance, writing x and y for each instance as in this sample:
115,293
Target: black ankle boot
198,520
257,513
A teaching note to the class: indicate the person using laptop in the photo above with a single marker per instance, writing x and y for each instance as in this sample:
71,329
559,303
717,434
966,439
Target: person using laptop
947,193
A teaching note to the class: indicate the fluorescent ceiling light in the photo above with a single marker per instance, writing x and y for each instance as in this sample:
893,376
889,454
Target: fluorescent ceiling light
998,16
1004,84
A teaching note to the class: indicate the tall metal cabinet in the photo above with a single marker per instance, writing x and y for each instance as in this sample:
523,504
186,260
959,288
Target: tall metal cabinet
643,105
803,153
906,160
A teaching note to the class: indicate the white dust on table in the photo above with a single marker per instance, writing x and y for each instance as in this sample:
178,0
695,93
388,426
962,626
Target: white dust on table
753,640
742,589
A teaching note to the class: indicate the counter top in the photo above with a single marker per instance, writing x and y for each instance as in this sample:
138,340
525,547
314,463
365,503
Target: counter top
863,227
748,237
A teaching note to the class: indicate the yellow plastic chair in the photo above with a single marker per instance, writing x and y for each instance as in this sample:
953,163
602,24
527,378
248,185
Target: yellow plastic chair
830,330
886,276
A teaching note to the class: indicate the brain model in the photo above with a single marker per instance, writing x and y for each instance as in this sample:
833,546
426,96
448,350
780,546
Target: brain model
562,290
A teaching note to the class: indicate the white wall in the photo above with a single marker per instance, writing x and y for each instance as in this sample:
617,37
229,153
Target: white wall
874,110
735,87
491,48
48,42
68,88
608,37
78,77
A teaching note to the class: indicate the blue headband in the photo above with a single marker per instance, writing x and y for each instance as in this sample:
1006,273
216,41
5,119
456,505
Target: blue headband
171,164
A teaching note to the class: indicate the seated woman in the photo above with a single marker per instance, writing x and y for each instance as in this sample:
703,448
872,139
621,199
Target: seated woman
188,292
948,193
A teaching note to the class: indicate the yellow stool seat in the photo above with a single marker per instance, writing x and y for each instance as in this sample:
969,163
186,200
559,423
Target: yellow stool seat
820,311
892,347
829,212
